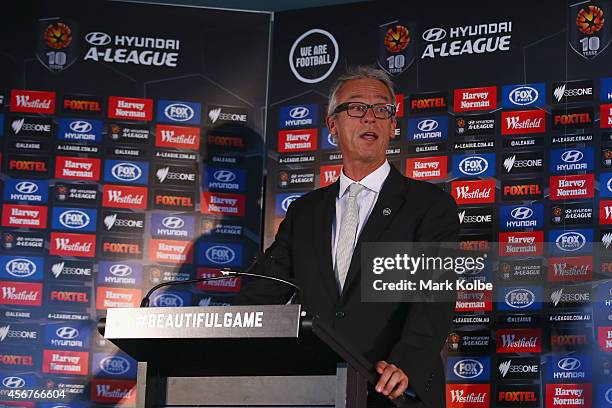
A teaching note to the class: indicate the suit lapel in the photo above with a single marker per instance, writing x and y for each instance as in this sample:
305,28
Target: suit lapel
325,211
389,201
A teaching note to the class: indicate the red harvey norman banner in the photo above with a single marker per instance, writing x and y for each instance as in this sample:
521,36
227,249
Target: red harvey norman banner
77,168
605,116
24,216
65,362
164,250
32,101
300,140
604,338
468,395
130,108
223,204
475,99
570,187
427,168
117,297
521,243
569,396
523,122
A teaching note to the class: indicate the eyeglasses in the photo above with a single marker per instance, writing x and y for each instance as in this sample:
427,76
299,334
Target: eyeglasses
359,109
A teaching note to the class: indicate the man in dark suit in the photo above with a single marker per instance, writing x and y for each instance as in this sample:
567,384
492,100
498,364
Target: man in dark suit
318,245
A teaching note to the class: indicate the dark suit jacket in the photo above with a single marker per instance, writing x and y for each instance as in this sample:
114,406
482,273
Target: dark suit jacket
410,335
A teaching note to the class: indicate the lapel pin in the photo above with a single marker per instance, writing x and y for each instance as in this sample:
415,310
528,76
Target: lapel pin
387,211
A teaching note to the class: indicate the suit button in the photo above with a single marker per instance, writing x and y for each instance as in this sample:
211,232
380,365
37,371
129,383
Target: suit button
340,315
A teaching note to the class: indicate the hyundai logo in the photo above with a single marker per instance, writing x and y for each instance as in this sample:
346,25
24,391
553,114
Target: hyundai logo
427,125
220,254
332,139
13,382
98,38
20,267
173,222
74,219
115,365
67,333
519,298
120,270
224,176
126,171
168,300
80,126
572,156
26,187
287,201
468,368
569,364
521,213
609,185
523,95
570,241
179,112
473,165
434,34
608,395
299,112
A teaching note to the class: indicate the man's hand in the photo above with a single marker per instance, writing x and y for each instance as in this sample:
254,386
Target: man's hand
392,382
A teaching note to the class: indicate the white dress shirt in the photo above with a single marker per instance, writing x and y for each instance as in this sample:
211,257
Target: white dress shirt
365,200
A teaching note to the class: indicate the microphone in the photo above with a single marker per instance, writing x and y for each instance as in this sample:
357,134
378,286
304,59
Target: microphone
226,272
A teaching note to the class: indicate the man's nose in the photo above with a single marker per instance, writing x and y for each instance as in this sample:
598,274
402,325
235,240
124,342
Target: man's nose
369,115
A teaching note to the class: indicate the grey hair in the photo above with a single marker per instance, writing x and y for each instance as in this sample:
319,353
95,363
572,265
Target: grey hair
359,72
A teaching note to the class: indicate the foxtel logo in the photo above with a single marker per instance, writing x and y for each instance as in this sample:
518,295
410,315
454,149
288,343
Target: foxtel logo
473,192
124,197
63,244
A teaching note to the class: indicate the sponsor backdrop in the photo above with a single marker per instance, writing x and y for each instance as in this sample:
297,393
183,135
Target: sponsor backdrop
512,115
130,155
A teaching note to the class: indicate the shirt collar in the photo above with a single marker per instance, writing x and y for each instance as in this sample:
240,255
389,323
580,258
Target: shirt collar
372,181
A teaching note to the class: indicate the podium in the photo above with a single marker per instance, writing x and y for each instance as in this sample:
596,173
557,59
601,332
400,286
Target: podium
238,356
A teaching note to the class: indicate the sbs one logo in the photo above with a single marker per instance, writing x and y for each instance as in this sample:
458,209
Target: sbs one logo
299,112
473,166
570,241
126,171
13,382
120,270
483,38
179,112
74,219
114,365
519,298
288,200
26,187
20,268
468,368
67,333
220,254
172,222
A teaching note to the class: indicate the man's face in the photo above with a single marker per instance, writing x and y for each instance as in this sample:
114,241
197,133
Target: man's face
364,139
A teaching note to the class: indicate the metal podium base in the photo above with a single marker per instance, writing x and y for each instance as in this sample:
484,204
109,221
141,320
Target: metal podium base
344,390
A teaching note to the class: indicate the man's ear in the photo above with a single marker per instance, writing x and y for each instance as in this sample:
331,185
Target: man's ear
330,121
393,127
